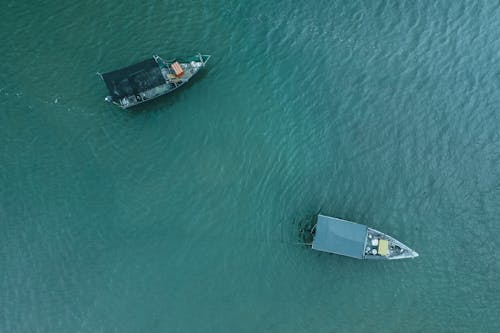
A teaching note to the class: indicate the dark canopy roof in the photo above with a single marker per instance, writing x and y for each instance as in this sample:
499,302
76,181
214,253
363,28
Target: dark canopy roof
133,79
339,236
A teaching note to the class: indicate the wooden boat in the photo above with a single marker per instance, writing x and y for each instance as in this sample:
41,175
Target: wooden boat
356,240
150,78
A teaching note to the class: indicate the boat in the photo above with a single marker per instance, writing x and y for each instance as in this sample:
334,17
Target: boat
334,235
149,79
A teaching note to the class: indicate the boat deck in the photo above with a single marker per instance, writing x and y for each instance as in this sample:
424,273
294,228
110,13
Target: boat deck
381,246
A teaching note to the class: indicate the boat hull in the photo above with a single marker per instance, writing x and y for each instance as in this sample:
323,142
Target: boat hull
150,79
356,240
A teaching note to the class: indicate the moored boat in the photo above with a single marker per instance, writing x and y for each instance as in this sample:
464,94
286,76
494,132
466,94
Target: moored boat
356,240
151,78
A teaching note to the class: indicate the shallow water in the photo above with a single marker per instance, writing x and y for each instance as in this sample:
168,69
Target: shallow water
183,215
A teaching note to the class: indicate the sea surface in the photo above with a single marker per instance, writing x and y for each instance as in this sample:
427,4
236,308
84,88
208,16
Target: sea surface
183,215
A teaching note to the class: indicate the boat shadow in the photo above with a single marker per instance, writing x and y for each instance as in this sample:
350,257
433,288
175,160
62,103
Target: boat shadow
305,228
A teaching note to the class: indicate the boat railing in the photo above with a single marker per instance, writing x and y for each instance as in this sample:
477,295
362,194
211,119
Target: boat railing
200,56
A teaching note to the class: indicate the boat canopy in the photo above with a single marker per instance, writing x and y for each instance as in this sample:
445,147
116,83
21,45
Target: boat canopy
133,79
339,236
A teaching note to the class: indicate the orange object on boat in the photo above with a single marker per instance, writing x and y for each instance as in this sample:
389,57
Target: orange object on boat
177,69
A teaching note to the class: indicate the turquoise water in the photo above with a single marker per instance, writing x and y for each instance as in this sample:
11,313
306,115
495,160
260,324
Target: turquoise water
182,215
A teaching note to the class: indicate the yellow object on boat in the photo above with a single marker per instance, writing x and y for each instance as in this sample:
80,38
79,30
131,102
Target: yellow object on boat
383,247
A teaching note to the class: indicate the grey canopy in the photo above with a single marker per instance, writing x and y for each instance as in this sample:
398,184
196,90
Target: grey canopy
338,236
133,79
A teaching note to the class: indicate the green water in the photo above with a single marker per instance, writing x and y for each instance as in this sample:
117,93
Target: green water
182,215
